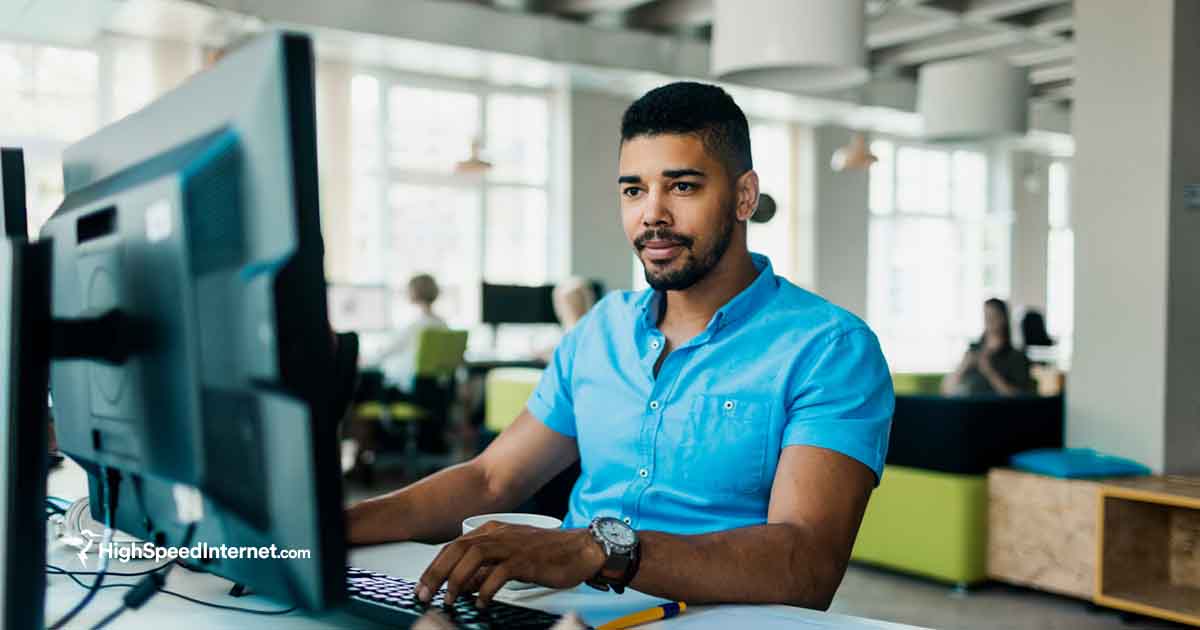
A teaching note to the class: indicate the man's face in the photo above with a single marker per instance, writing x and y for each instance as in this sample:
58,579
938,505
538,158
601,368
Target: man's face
678,207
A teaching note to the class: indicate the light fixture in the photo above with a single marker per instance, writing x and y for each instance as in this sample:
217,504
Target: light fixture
765,210
474,165
855,156
973,98
795,45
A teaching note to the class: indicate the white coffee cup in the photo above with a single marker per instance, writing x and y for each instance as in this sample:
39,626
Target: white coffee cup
515,518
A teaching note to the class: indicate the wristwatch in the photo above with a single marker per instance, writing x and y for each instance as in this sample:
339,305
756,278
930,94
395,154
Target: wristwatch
620,544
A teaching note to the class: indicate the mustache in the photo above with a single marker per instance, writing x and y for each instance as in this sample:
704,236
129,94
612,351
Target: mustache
662,234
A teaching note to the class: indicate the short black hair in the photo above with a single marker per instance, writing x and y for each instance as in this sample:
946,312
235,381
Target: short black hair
687,107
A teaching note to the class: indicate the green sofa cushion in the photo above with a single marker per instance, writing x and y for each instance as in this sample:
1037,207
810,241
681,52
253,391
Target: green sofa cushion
928,523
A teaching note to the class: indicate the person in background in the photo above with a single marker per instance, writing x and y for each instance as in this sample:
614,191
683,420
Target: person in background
992,365
573,298
398,358
397,361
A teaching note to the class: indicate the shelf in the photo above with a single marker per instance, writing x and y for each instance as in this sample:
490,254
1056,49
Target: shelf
1148,552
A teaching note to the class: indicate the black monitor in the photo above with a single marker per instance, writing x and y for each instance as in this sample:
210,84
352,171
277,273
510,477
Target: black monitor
516,304
194,225
24,346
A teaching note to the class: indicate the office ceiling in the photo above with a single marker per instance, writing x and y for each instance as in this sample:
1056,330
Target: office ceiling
901,34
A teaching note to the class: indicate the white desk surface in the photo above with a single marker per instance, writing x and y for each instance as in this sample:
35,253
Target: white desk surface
405,560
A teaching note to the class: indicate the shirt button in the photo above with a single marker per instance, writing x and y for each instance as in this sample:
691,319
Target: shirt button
643,473
627,520
654,404
654,344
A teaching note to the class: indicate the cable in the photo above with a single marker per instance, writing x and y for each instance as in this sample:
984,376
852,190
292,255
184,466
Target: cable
147,586
252,611
62,571
224,607
109,617
108,487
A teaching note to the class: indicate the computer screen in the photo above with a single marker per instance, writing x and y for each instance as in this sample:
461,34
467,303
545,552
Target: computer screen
24,348
197,220
516,304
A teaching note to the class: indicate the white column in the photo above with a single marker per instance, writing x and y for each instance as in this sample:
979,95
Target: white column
1134,388
598,247
841,219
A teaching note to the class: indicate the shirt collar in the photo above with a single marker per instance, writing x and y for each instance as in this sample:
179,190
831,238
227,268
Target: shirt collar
742,305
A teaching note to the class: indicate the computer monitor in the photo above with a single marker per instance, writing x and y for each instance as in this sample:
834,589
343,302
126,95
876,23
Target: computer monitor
516,304
196,220
24,346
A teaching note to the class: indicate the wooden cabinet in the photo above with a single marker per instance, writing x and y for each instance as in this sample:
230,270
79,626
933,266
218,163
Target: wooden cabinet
1148,554
1042,532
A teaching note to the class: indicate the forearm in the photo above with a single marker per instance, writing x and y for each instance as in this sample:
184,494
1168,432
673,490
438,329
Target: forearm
998,383
430,510
775,563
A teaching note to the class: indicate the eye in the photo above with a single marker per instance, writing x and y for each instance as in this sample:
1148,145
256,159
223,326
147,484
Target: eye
685,187
631,192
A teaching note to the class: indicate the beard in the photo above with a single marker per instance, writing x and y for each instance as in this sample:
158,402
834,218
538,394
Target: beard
696,265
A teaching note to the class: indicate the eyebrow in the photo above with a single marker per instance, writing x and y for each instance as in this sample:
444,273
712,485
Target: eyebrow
669,174
683,172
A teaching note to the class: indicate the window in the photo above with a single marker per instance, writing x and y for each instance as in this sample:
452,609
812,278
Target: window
937,251
1060,259
411,213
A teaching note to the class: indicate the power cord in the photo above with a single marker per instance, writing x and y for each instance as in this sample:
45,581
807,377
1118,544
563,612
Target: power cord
147,586
73,575
109,483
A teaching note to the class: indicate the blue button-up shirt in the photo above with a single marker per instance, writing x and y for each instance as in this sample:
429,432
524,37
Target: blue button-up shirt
694,448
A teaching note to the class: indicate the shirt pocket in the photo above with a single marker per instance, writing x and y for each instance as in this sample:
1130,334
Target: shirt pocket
721,444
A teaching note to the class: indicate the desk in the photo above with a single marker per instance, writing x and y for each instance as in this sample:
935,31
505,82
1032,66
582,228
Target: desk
405,560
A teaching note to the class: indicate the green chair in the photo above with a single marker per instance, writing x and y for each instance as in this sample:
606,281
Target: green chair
917,384
506,391
421,417
929,523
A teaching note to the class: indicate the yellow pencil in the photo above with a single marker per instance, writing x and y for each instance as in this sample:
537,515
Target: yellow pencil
665,611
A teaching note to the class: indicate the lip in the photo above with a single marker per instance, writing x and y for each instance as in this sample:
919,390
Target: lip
661,250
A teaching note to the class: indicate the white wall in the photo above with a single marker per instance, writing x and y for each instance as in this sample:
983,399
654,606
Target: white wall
1024,179
1132,390
598,247
838,204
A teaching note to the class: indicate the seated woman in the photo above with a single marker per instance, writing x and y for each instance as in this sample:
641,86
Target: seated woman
992,365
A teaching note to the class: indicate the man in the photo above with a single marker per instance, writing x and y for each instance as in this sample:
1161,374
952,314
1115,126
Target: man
730,426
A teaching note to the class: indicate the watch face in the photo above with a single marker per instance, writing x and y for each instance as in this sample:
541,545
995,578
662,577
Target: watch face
616,532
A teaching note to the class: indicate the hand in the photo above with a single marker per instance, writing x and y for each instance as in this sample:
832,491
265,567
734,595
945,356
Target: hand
434,620
498,552
970,359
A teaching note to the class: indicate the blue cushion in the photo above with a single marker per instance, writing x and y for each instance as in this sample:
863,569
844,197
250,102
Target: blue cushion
1076,462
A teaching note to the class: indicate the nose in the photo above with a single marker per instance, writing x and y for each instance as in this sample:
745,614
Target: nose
655,212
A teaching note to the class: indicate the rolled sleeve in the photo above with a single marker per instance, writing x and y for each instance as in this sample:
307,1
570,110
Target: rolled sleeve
844,403
551,402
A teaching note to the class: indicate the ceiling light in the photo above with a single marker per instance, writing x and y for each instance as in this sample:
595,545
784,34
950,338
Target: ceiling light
794,45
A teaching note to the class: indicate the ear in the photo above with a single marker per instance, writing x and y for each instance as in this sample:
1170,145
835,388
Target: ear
746,189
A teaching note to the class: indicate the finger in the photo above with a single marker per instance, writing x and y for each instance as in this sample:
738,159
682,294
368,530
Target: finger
476,580
496,580
435,574
433,620
462,573
569,621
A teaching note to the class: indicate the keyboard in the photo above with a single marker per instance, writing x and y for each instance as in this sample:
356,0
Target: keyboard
393,601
